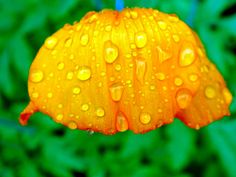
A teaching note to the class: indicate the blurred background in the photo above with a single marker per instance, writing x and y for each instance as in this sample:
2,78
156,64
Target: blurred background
45,148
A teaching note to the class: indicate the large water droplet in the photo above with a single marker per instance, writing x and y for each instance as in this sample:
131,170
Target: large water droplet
145,118
116,91
183,98
140,70
84,39
51,42
141,39
210,92
121,123
187,54
84,73
36,76
100,112
110,52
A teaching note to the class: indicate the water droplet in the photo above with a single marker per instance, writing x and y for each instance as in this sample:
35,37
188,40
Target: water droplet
84,39
162,25
85,107
210,92
183,98
70,75
59,117
49,95
108,28
173,18
140,39
60,106
227,96
100,112
152,87
187,55
193,77
145,118
160,76
72,125
76,90
178,81
68,42
134,14
35,95
60,66
121,123
51,42
93,18
116,91
176,38
110,52
140,70
36,76
163,55
117,67
78,27
84,73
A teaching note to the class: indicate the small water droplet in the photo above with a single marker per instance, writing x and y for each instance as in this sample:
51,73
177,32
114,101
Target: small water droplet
187,54
145,118
60,106
72,125
59,117
108,28
76,90
100,112
152,87
117,67
68,42
85,107
178,81
121,123
227,96
162,25
35,95
93,18
160,76
176,38
110,52
84,39
183,98
60,66
134,14
36,76
49,95
51,42
70,75
141,39
210,92
116,91
78,27
140,70
193,77
84,73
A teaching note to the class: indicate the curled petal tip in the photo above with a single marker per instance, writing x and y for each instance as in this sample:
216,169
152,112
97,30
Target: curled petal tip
25,115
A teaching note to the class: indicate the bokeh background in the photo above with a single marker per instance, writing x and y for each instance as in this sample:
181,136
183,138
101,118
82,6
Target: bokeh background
45,148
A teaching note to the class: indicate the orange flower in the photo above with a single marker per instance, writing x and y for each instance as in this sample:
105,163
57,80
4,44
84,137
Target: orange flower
136,69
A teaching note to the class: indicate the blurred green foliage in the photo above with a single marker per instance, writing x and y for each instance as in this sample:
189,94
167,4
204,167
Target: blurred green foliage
45,148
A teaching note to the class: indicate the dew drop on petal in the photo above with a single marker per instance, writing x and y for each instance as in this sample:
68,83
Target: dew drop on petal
162,25
210,92
76,90
160,76
141,39
193,77
121,123
49,95
134,14
187,55
183,98
72,125
69,75
110,52
176,38
35,95
68,42
227,96
84,39
116,91
51,42
145,118
100,112
140,70
60,66
36,76
178,81
59,117
84,73
84,107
